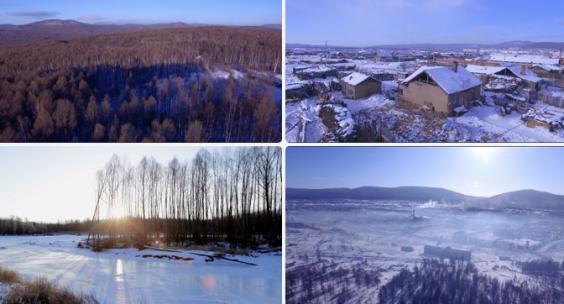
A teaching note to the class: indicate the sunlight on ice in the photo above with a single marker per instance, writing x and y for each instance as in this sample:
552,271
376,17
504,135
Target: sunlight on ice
208,281
119,271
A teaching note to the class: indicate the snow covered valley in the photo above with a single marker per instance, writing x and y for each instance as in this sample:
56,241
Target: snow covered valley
347,251
125,276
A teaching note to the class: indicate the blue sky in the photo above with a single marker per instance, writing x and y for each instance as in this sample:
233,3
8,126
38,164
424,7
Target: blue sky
51,183
228,12
376,22
482,171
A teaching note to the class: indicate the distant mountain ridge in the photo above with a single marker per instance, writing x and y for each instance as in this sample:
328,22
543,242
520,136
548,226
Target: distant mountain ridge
442,46
379,193
57,29
523,199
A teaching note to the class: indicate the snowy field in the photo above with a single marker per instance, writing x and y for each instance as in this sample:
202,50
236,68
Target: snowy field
371,235
124,276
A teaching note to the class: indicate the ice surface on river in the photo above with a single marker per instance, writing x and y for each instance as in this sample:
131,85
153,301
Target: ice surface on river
122,276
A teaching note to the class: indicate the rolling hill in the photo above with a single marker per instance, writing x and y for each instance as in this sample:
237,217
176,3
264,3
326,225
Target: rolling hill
56,29
380,193
523,199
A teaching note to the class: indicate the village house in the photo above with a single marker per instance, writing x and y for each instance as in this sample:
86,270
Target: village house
485,72
449,90
550,118
446,253
357,85
384,55
297,91
313,72
548,71
553,74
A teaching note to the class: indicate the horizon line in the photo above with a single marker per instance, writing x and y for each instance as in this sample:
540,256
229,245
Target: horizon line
418,43
436,187
132,22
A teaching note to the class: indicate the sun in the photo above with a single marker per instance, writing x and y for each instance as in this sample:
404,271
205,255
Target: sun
484,153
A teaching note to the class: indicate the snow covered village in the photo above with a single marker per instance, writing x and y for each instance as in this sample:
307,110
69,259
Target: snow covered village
510,92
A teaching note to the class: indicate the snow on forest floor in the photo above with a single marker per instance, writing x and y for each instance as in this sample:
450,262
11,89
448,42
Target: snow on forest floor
123,276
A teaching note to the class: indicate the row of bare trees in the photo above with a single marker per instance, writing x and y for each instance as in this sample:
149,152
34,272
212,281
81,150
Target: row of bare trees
254,48
232,195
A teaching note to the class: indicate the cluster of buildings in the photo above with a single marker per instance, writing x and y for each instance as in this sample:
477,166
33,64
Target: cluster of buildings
446,85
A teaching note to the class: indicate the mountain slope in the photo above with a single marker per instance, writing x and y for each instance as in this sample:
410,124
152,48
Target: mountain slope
448,46
527,199
55,29
380,193
523,199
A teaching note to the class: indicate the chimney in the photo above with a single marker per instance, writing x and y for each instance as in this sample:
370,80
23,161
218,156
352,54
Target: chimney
523,69
455,66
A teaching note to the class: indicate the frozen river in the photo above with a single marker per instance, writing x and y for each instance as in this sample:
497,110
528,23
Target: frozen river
123,276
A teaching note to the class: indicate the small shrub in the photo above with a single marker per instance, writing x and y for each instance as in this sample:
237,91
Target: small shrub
44,292
327,115
9,276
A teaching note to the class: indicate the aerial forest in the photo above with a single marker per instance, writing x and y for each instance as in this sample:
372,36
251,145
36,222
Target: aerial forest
200,84
233,196
460,282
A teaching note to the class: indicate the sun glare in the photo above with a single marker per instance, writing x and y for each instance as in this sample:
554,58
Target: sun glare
485,154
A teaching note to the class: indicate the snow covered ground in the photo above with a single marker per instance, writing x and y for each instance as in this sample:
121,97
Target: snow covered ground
372,233
124,276
303,123
479,124
4,290
510,128
399,123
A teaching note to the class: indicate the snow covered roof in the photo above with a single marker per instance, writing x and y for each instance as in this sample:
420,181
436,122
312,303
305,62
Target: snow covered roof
355,78
523,58
385,53
529,75
549,67
483,69
548,114
294,86
490,70
447,79
317,69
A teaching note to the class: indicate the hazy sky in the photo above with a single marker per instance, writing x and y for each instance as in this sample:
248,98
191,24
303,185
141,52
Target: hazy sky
482,171
374,22
52,183
229,12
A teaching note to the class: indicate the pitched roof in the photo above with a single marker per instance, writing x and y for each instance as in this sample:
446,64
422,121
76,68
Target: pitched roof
549,67
490,70
529,75
355,78
447,79
483,69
